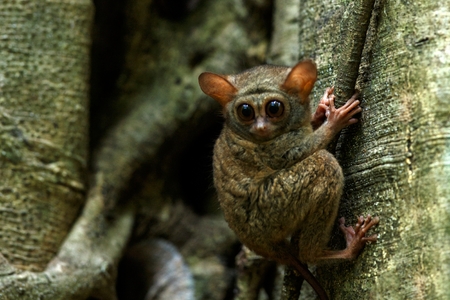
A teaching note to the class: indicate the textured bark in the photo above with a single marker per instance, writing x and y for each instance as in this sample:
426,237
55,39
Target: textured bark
353,29
44,58
396,159
86,263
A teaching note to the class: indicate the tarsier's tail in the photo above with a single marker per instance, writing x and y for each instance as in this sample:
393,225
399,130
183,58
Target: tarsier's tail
309,277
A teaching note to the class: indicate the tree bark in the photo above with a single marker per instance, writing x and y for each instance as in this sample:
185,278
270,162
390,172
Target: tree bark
395,160
44,54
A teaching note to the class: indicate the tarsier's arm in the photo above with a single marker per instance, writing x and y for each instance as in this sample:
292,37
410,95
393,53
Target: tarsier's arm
333,120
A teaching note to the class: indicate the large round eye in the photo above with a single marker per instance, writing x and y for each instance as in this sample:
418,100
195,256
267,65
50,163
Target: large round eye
245,112
274,108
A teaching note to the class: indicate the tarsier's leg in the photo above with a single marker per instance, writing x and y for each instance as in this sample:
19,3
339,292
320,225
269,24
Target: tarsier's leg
303,197
322,197
309,191
314,231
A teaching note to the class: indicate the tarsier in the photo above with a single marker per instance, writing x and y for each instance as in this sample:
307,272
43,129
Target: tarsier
272,173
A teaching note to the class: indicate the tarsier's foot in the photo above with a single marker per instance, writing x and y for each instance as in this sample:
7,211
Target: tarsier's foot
356,236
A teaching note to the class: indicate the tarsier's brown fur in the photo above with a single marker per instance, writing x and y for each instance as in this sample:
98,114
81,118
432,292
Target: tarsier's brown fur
272,174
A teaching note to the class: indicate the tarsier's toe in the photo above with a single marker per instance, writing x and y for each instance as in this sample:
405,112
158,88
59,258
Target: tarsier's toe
357,233
369,222
348,231
328,94
363,225
372,238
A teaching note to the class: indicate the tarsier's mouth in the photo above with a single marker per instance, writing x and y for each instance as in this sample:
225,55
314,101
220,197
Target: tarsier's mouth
262,134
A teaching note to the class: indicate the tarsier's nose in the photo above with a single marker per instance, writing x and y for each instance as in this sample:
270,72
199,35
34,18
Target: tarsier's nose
261,127
261,124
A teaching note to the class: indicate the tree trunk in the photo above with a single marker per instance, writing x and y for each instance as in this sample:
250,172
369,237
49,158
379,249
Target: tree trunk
44,54
396,159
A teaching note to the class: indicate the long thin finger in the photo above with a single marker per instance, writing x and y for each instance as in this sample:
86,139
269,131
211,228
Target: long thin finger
352,98
350,103
352,109
330,91
360,223
360,220
323,106
372,222
331,102
355,95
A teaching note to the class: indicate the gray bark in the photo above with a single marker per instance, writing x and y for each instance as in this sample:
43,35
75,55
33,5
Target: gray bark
395,160
44,59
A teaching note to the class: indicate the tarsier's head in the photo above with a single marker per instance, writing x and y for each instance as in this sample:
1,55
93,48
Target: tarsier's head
264,102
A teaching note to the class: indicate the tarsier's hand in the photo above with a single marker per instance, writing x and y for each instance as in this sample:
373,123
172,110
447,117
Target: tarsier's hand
339,118
319,117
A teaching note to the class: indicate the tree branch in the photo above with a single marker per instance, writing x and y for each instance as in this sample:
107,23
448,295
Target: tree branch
354,25
353,30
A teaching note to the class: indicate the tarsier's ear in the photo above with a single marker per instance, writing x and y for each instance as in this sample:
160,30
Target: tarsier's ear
217,87
301,79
